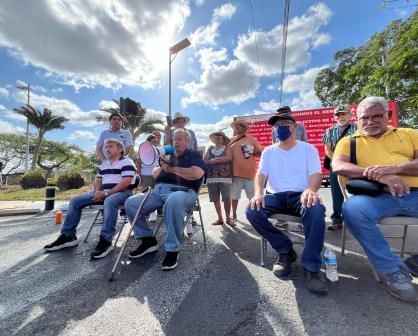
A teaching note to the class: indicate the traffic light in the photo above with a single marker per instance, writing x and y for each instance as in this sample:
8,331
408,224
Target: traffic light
128,106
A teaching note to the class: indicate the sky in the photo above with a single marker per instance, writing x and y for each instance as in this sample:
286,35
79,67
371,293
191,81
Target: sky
79,55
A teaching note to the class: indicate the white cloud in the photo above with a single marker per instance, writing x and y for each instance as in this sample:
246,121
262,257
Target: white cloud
107,104
202,131
301,82
299,39
61,107
93,42
80,134
12,115
4,92
2,108
7,127
221,84
270,106
207,35
199,2
305,100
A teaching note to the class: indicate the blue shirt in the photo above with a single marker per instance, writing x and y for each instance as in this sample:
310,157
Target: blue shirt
122,135
186,160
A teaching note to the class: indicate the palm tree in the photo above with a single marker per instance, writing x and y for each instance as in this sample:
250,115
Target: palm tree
138,124
44,121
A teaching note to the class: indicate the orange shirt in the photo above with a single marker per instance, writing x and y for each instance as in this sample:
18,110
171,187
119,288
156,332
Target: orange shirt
242,167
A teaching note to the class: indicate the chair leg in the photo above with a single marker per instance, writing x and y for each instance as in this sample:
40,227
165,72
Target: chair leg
344,234
158,226
405,231
201,222
124,221
376,276
261,251
92,224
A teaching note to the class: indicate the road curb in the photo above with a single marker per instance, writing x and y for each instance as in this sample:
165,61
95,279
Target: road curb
19,211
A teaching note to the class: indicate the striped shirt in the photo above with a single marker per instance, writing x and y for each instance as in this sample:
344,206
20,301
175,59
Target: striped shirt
333,133
112,174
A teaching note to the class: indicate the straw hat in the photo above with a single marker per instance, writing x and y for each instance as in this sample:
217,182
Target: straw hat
218,133
240,122
178,115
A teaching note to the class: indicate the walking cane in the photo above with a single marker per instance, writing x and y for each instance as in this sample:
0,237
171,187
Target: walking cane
112,273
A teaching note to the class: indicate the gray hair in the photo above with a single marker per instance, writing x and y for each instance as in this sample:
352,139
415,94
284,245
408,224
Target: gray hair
117,142
182,131
369,102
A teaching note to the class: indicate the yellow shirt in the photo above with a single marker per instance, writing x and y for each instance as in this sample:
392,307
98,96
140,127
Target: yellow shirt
396,146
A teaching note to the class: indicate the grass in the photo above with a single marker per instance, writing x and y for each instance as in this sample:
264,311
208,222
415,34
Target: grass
16,193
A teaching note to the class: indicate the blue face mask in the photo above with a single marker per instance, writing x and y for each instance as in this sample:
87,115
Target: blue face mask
283,132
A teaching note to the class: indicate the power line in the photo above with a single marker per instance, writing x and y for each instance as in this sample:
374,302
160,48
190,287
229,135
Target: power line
315,22
284,46
256,46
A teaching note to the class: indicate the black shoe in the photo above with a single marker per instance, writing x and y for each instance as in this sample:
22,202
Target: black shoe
170,261
412,263
61,242
315,283
147,245
335,227
102,249
283,265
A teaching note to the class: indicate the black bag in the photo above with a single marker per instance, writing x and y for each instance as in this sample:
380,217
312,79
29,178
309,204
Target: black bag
358,186
327,159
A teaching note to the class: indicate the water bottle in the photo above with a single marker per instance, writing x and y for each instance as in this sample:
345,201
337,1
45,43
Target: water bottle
331,265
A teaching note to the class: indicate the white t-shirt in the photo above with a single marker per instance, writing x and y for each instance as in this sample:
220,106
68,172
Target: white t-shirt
289,170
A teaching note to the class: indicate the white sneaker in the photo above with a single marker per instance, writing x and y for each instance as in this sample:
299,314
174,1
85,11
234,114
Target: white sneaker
153,216
189,228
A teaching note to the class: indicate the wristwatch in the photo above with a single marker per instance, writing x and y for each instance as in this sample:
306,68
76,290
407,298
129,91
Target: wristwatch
106,193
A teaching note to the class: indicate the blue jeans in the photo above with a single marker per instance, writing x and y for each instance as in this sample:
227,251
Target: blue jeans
362,213
110,213
176,205
313,220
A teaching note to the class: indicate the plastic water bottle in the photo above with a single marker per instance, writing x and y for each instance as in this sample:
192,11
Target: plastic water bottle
331,265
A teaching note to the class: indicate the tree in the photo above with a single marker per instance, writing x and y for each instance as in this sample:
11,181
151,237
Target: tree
138,124
389,63
12,152
44,121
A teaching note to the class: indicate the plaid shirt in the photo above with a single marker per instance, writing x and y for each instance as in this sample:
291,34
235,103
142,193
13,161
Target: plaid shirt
333,133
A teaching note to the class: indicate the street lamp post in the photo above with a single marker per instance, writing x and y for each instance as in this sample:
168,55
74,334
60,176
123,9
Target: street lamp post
172,51
26,89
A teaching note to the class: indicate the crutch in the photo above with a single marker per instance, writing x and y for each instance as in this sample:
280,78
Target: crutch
112,273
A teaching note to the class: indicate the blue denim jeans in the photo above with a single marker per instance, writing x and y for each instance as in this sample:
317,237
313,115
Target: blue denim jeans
110,213
362,213
313,220
176,205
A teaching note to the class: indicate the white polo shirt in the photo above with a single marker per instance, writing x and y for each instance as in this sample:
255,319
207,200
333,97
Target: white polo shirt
112,174
289,170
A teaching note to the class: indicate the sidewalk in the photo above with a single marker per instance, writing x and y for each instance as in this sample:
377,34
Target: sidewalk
11,208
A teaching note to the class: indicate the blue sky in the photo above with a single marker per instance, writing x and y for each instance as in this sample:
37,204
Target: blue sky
78,55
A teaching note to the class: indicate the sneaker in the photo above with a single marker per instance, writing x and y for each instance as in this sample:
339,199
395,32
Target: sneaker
153,216
399,284
315,283
61,242
281,224
283,265
412,263
102,249
147,245
170,261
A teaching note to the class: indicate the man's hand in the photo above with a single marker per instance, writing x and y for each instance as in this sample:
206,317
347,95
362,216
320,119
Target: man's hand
165,167
377,172
310,198
396,185
256,203
99,196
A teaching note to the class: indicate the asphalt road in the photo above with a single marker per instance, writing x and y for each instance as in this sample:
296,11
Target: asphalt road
217,290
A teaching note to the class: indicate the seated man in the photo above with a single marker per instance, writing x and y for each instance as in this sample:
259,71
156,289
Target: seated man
293,171
113,185
388,155
176,187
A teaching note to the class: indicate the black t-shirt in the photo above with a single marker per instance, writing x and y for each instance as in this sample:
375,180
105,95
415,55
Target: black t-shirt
188,159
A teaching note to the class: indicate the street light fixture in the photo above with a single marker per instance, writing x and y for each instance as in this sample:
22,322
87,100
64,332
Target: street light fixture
26,89
172,51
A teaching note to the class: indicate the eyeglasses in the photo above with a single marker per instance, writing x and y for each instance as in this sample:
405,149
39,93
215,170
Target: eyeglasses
376,117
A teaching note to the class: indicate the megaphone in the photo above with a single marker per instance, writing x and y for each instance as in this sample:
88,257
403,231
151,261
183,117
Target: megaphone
149,154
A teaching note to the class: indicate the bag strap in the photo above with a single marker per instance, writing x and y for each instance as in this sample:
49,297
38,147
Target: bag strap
343,134
353,150
242,136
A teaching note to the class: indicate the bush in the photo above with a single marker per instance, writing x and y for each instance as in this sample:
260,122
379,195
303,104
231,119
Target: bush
52,181
33,179
70,180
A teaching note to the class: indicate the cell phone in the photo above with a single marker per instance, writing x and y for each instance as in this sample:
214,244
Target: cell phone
169,120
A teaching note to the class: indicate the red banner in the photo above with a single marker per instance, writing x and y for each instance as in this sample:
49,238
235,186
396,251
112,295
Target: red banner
315,122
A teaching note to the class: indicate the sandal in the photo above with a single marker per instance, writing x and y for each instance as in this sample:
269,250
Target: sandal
218,222
231,222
